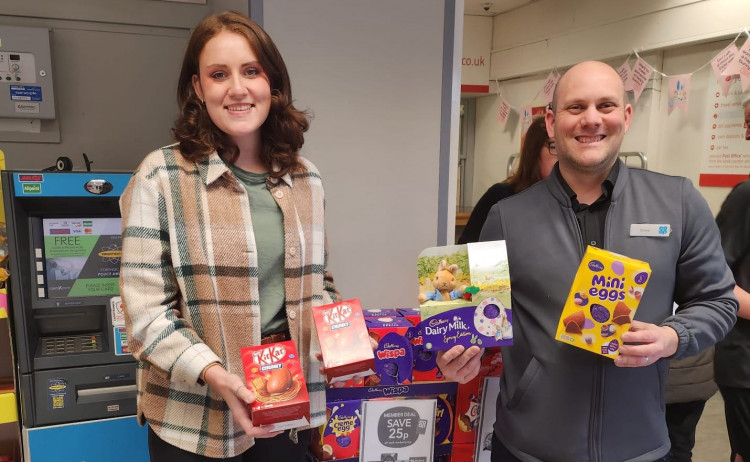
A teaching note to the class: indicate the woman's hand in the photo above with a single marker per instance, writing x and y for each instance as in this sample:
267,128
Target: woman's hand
238,397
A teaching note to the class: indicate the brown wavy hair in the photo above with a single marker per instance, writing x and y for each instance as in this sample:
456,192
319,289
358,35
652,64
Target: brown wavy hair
282,133
527,172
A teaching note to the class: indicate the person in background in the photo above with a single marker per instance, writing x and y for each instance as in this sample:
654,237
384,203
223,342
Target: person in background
690,384
536,160
224,246
558,403
732,357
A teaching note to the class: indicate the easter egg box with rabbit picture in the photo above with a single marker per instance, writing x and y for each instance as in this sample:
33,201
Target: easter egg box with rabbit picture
464,295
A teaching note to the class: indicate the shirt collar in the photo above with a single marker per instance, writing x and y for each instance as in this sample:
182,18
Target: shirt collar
213,167
608,185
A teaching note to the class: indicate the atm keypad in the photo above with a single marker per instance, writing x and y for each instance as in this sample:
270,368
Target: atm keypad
71,344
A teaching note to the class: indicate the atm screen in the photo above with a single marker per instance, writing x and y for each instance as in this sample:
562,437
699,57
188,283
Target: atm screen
82,256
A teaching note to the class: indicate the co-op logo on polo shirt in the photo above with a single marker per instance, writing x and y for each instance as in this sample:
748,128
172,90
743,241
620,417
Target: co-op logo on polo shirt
98,187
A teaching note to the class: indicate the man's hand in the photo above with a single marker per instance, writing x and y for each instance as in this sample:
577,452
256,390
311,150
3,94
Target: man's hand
645,343
238,397
460,365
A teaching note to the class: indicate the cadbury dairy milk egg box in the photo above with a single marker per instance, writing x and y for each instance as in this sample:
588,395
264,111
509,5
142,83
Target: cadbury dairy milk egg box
464,296
274,373
602,301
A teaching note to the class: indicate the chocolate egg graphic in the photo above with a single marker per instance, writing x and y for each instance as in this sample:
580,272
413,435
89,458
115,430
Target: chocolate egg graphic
279,381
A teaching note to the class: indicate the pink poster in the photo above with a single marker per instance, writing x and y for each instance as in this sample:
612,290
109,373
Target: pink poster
626,74
503,111
641,75
679,92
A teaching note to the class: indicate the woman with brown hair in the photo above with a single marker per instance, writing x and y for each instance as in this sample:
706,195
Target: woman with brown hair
224,246
537,158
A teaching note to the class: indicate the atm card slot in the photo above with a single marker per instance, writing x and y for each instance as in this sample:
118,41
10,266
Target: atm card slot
101,394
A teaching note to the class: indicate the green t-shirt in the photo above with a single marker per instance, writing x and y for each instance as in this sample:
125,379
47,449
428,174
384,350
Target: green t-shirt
268,227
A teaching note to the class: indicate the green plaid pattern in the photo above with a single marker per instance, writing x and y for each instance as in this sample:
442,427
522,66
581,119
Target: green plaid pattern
189,283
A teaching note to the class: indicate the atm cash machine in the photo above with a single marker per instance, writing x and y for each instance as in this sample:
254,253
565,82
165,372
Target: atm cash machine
74,366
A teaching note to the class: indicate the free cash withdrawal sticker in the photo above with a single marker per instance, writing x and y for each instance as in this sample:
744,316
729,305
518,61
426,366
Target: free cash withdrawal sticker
82,256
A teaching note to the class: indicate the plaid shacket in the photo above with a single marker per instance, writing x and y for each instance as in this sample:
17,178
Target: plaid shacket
189,283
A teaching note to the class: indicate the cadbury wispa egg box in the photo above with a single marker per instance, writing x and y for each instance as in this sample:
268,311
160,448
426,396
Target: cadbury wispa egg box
602,301
393,355
464,296
274,373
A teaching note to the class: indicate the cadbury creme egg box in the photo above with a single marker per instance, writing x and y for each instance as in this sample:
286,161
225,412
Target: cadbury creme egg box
602,301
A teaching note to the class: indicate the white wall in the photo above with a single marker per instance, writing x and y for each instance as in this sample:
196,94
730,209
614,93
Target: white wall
372,74
115,67
678,37
384,133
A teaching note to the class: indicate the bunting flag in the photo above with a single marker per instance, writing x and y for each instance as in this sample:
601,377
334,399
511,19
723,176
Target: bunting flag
548,89
720,64
730,64
641,74
679,89
626,74
733,65
743,61
503,111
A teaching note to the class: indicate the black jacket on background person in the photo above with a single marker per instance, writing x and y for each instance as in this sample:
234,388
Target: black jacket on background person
492,196
731,364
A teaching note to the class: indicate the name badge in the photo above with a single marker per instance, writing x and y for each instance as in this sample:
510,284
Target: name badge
646,229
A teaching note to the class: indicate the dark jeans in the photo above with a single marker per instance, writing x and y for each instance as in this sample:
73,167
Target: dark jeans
264,450
682,418
501,454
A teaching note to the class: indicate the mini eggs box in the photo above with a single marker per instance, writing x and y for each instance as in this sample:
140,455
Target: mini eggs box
465,295
602,301
274,373
344,341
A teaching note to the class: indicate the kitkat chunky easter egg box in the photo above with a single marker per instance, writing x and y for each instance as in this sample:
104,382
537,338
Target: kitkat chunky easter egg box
602,301
464,296
344,340
274,373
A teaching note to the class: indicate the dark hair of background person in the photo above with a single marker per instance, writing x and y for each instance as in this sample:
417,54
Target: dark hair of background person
528,172
281,133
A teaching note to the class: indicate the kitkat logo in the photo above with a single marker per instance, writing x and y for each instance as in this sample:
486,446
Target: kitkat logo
269,355
337,314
